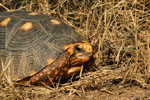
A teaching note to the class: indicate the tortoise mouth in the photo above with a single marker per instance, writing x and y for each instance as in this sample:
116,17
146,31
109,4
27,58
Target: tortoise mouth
80,59
83,55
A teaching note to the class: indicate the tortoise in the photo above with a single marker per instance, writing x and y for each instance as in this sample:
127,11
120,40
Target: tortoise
40,49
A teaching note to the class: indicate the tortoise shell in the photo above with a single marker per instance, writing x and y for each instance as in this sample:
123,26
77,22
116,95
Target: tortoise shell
33,44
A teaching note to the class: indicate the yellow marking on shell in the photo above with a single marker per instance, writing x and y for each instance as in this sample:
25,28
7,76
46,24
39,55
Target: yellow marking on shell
32,72
33,13
49,61
55,22
27,26
5,21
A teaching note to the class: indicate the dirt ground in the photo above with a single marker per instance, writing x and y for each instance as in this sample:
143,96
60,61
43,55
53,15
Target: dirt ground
119,31
98,85
75,91
127,93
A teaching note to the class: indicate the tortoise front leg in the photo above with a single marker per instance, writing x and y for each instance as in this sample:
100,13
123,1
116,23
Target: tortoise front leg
51,73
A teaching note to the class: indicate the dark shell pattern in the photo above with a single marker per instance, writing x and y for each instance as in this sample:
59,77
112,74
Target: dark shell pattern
30,41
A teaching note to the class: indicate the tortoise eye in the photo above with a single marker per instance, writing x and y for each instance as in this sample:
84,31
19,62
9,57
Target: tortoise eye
77,48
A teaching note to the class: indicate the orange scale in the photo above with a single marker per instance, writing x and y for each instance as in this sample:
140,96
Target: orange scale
61,73
41,74
66,62
68,58
53,68
51,78
56,72
65,69
49,73
36,78
61,65
32,80
56,77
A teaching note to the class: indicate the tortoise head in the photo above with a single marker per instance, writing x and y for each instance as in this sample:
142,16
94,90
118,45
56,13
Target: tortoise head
79,52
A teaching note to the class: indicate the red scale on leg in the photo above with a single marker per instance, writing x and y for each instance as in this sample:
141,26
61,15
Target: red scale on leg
37,78
61,65
51,79
56,72
65,69
64,62
49,73
32,80
52,72
41,74
53,68
56,77
61,73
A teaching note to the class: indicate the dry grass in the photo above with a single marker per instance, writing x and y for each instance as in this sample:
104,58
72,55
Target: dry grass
120,32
